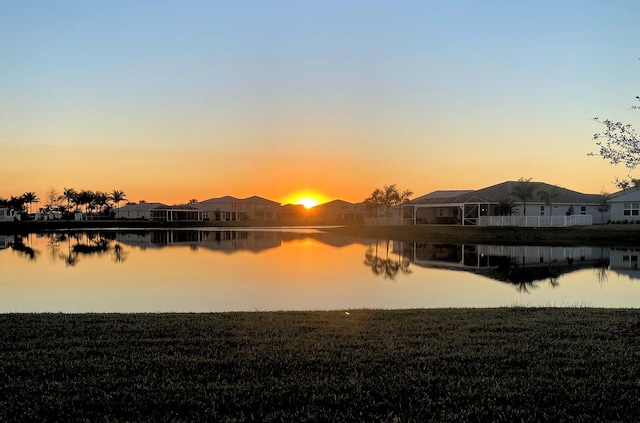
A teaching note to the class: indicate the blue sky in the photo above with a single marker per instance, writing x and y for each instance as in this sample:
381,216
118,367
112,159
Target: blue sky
211,98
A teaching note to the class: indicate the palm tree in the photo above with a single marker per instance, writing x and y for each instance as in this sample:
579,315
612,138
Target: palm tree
70,195
16,204
30,198
117,196
100,201
85,198
375,200
523,191
549,196
506,207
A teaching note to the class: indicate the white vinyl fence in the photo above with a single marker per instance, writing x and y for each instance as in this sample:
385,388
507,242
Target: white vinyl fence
536,221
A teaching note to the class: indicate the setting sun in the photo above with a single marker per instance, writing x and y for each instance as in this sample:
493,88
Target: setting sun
308,199
307,202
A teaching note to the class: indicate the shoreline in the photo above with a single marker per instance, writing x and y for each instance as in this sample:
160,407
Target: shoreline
619,235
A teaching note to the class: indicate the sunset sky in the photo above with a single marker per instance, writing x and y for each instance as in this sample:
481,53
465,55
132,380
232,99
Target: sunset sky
170,101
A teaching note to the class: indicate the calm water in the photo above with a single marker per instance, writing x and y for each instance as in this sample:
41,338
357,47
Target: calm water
301,269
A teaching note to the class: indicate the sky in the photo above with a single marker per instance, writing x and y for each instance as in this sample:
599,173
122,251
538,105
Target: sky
170,101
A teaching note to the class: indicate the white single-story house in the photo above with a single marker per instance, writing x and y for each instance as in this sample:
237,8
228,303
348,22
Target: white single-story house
141,210
486,207
7,215
52,215
626,207
239,209
159,212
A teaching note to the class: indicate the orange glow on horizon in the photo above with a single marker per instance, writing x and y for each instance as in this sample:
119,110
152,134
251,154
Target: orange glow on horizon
307,198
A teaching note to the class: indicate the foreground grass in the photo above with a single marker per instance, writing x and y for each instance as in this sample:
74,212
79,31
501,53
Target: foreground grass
512,364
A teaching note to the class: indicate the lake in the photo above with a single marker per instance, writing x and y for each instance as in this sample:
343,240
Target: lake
214,270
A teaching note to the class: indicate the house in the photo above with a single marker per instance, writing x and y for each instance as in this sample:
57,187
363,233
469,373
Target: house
339,211
498,205
6,215
229,208
159,212
295,213
165,213
626,207
141,210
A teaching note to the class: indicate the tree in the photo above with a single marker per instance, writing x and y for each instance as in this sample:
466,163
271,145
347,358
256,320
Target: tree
193,201
16,205
506,207
618,143
117,196
549,196
388,196
30,198
52,199
523,191
603,203
70,195
85,198
100,201
623,184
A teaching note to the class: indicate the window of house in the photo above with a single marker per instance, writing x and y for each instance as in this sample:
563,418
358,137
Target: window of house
583,210
541,210
631,209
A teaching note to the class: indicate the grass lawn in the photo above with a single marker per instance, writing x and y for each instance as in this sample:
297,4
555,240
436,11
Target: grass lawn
506,364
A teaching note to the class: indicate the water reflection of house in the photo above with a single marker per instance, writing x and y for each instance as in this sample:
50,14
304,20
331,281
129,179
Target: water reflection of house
226,241
625,261
478,256
5,241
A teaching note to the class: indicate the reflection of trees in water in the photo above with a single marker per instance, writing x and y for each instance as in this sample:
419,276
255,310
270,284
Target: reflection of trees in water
90,243
602,272
386,267
119,254
71,246
19,246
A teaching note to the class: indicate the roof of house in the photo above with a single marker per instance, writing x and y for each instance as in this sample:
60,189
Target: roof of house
340,204
229,199
632,196
177,207
502,191
143,206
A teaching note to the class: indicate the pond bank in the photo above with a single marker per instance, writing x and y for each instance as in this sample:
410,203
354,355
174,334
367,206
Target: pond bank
595,235
506,364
